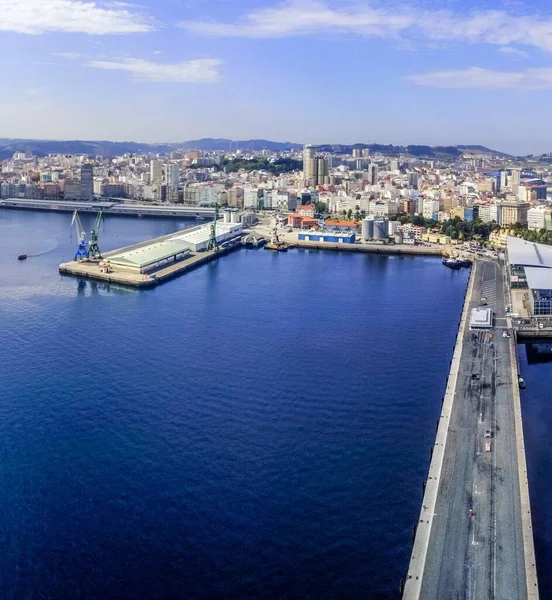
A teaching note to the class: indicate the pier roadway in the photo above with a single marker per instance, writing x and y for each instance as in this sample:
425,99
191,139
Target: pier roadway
472,540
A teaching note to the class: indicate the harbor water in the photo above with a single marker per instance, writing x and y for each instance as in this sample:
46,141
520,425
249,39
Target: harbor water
536,369
258,428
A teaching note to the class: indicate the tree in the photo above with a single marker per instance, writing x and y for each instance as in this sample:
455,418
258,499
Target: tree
350,213
321,207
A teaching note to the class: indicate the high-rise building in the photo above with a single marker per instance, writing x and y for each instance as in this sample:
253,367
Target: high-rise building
515,179
156,171
172,174
502,181
87,182
322,170
357,152
372,174
309,165
316,169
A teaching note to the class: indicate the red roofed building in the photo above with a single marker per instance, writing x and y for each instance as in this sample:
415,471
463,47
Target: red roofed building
307,210
294,220
308,222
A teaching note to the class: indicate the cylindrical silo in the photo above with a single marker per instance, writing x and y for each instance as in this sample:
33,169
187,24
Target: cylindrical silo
227,216
236,216
398,238
381,230
367,229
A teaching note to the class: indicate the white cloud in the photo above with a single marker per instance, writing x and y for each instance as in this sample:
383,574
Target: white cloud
319,17
304,18
513,51
477,78
68,55
74,16
204,70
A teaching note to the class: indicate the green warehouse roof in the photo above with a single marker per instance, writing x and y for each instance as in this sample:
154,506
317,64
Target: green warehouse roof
142,257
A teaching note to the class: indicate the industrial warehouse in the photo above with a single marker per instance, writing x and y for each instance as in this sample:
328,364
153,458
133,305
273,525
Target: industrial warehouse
151,257
530,277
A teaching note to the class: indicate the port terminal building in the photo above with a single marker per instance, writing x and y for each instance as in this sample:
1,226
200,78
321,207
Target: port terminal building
332,237
481,317
529,268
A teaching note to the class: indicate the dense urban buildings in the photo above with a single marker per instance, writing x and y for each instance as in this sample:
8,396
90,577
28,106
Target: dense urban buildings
420,198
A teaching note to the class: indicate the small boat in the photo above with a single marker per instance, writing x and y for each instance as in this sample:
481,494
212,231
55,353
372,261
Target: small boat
452,263
521,383
22,257
466,262
277,246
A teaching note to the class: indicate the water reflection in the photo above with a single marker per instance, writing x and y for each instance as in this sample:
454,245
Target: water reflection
539,352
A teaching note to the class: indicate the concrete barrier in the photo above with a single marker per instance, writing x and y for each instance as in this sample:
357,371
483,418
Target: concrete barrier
526,522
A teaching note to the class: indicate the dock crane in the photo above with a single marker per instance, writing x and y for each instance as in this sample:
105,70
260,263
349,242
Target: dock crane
82,250
93,248
213,244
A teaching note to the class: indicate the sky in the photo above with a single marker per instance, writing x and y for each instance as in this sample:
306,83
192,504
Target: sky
307,71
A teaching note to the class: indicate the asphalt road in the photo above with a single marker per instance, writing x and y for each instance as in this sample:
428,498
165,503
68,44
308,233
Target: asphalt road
476,547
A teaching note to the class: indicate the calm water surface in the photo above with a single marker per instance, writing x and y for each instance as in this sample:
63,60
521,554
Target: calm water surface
259,428
536,404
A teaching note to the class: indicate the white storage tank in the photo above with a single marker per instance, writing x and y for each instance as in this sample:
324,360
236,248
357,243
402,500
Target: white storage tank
381,230
235,216
227,216
398,238
368,229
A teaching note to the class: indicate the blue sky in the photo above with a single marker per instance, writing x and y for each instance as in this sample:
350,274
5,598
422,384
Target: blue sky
309,71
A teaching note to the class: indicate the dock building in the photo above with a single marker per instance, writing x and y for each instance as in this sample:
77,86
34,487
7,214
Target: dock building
530,277
332,237
197,240
151,257
481,318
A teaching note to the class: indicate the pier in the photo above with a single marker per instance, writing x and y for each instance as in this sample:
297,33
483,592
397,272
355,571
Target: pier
474,536
170,262
128,209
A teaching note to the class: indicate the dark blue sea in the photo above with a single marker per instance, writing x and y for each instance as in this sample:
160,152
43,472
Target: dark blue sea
536,405
258,428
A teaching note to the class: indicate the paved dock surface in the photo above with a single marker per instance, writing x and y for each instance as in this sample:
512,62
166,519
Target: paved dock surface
473,540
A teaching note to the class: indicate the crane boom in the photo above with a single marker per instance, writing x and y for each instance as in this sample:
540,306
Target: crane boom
93,248
82,250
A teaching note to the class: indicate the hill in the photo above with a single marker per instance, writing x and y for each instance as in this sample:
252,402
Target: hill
106,148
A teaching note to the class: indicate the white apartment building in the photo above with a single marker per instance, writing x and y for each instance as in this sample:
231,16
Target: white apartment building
488,213
383,208
536,217
156,171
250,197
430,208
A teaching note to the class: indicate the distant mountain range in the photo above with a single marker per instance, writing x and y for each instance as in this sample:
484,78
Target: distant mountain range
106,148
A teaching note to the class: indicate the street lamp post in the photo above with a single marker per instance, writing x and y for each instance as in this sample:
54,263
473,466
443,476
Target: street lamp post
470,578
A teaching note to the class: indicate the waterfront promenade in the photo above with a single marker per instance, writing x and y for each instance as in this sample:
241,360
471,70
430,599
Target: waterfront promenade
474,536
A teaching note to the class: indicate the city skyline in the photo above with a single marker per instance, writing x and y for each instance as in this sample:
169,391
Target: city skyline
315,71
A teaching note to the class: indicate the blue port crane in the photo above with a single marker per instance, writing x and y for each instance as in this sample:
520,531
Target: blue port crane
82,250
93,248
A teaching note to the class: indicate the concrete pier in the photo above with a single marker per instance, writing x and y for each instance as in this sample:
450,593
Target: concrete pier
91,268
384,249
474,536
